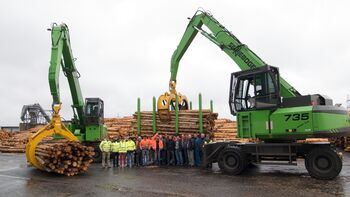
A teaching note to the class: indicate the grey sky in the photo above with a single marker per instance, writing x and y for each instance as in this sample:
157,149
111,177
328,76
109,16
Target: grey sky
124,48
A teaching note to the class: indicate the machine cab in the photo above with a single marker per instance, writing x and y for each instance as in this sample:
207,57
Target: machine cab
94,111
254,89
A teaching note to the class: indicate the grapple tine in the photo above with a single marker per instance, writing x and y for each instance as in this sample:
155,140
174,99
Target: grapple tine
54,127
166,101
163,106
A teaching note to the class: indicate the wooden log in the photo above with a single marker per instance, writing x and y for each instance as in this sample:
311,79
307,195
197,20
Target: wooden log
63,156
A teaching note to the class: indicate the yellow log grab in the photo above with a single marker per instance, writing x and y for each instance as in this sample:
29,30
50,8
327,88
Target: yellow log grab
54,127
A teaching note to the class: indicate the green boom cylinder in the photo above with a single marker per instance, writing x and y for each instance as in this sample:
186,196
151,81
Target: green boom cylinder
154,124
138,116
200,113
177,115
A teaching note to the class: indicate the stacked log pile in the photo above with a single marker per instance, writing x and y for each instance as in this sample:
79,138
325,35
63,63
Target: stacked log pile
16,142
338,142
312,140
224,130
4,135
347,144
119,127
188,122
64,157
342,142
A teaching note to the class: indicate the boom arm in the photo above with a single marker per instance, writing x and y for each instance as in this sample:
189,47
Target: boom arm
240,53
61,55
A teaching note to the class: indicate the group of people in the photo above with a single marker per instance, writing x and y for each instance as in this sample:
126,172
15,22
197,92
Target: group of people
184,150
120,151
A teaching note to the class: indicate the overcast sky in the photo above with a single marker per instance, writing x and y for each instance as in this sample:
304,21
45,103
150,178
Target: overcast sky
123,50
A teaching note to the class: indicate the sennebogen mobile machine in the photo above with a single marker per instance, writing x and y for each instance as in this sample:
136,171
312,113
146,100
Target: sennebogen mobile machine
267,108
87,124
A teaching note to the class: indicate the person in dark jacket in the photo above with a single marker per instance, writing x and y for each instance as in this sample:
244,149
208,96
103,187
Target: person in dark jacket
190,148
178,151
171,150
208,140
159,149
198,150
164,151
138,153
184,149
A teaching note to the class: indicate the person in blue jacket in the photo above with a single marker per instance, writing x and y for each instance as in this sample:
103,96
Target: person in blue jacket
198,144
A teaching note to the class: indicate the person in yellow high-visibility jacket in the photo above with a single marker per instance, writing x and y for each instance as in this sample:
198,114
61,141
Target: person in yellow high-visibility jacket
131,147
122,153
115,152
105,147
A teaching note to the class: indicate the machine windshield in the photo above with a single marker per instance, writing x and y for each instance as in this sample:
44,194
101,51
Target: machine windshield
256,91
92,109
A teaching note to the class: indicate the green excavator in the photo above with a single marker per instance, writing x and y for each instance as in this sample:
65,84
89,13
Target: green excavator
267,108
87,124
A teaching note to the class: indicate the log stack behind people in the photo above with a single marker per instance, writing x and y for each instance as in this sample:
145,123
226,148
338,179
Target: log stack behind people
224,130
188,122
119,127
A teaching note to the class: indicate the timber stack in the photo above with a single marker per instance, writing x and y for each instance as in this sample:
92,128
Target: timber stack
16,142
224,130
313,140
341,142
119,127
4,135
188,122
347,144
347,140
64,157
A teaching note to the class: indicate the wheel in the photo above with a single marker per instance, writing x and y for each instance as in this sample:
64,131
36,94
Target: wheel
323,163
97,158
232,160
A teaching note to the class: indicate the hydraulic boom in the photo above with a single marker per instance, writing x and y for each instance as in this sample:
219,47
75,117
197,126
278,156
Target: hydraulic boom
267,108
62,56
87,122
226,41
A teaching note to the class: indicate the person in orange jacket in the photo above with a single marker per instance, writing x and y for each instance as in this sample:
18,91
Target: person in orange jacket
151,149
154,148
144,151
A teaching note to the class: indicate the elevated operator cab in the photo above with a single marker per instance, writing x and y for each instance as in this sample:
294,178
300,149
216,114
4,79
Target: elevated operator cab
255,89
94,111
93,129
262,113
94,120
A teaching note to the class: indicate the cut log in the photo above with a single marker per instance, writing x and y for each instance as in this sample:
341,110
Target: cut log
188,122
15,142
60,156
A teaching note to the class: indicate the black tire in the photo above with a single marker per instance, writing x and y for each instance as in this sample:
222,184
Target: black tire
323,163
232,160
97,158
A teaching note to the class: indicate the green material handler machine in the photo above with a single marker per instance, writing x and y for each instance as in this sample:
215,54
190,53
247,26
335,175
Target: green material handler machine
267,108
87,123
